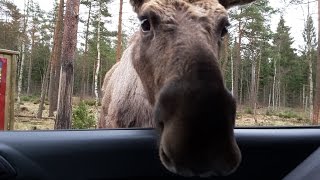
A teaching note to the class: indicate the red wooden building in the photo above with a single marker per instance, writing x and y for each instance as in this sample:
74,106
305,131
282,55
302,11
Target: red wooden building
8,66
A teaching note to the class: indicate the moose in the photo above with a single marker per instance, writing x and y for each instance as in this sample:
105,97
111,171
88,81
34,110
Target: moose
169,79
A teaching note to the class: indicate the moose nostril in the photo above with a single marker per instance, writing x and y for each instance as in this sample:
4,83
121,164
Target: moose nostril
161,126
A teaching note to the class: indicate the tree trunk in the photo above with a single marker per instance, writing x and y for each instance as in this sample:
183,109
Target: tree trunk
85,58
237,64
284,95
50,89
256,92
279,81
225,55
232,74
87,83
93,74
310,84
269,100
100,77
247,97
309,58
253,87
253,82
25,24
264,101
274,85
316,109
43,91
98,63
55,60
21,76
277,95
241,86
64,114
30,59
303,97
119,41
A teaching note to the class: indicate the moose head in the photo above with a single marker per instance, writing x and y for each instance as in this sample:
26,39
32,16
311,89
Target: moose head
176,58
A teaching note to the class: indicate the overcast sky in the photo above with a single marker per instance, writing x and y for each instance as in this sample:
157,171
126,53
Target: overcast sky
294,15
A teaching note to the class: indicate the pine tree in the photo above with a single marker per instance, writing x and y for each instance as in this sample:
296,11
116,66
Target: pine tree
84,74
55,59
47,27
316,109
283,59
253,34
23,51
36,21
64,115
119,41
309,36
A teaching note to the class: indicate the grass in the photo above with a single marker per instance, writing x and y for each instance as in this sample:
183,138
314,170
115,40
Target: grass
269,117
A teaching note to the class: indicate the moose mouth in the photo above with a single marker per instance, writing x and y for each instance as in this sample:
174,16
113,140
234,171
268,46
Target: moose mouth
171,166
196,135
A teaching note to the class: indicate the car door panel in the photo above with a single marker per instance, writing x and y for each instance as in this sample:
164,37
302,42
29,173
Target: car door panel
267,153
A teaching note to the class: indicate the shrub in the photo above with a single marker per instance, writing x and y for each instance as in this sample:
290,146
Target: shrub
248,111
26,98
90,102
269,112
82,118
288,114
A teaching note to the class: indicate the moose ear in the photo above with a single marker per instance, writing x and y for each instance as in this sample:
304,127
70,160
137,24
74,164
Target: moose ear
230,3
136,4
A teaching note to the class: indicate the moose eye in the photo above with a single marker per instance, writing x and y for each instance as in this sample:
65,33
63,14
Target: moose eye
145,25
224,31
224,24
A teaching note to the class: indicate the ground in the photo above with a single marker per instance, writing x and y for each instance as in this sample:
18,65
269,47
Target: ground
26,119
269,120
285,117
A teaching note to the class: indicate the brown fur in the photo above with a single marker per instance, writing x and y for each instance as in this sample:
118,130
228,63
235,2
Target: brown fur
124,103
169,78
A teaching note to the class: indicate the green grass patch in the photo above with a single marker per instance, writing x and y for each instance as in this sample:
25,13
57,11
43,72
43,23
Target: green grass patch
248,110
29,98
288,114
